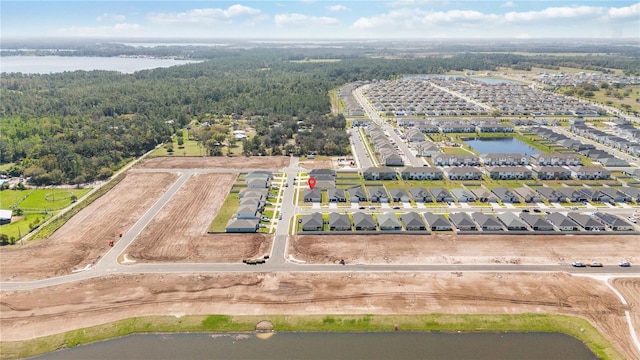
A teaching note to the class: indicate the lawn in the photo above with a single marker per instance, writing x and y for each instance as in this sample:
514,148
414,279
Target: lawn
226,212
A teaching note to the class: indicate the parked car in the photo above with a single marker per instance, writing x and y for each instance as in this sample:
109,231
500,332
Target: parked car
624,264
361,208
396,207
525,210
595,264
574,208
536,210
265,218
632,219
577,264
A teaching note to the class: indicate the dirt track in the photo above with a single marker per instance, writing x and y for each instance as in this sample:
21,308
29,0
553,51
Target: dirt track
40,312
630,289
239,162
84,238
464,249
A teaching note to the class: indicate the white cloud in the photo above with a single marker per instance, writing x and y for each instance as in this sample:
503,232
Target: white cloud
204,16
111,17
509,4
405,3
625,12
415,18
300,19
120,29
338,8
555,13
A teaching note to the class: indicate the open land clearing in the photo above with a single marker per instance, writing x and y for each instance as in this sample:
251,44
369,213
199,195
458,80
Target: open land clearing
464,249
239,162
84,238
40,312
630,289
179,231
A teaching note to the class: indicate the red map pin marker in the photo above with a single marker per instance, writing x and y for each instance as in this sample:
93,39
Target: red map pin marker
311,182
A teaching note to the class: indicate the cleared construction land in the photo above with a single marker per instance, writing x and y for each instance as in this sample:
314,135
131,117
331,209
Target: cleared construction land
240,162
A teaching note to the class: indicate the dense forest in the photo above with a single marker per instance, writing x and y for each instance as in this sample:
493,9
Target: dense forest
76,127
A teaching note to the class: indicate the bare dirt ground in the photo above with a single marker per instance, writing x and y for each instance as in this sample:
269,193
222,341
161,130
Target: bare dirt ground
464,249
630,289
319,164
84,238
29,314
239,162
179,231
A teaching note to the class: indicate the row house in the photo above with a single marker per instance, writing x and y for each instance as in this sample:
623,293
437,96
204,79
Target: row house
457,128
464,173
510,173
456,160
552,173
495,128
551,194
414,135
421,173
504,159
555,159
590,173
379,173
428,128
426,148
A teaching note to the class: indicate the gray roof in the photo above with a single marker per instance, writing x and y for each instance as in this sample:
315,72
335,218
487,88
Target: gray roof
536,221
560,220
461,220
339,220
242,225
361,219
412,220
511,220
388,220
437,220
312,220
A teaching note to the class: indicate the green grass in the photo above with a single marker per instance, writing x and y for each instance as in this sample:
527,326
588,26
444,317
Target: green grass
11,198
50,199
227,210
573,326
190,148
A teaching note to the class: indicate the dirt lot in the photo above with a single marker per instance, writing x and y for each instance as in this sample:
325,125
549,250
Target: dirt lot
179,231
28,314
630,289
252,162
464,249
319,164
84,238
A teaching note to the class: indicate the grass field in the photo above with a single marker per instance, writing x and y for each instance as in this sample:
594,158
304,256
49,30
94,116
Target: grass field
230,206
38,205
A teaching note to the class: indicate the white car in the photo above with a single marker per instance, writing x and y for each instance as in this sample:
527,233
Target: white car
624,264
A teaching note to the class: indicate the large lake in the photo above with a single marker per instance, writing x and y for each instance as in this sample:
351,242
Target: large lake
301,345
506,145
55,64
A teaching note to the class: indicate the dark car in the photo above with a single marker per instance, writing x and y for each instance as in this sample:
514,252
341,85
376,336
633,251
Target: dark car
536,210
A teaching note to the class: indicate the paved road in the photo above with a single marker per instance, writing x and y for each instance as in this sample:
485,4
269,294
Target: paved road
364,159
623,155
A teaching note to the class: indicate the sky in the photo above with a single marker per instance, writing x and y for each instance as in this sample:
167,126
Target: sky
320,19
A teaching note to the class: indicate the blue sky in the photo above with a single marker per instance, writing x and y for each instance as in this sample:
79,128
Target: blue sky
420,19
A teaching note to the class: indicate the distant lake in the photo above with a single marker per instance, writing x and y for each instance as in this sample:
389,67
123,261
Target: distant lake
494,81
317,345
506,145
56,64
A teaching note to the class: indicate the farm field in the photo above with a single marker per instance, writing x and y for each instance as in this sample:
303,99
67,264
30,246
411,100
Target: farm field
179,231
37,205
84,238
26,314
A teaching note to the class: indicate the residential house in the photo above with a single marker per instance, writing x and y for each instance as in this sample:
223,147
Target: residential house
426,149
614,196
509,173
505,195
552,173
437,222
512,222
378,194
586,221
421,173
399,195
613,221
257,193
590,194
487,222
556,159
613,162
420,194
428,128
483,195
536,222
562,222
441,195
379,173
498,159
457,128
258,183
357,194
312,222
414,135
388,221
495,128
527,194
339,222
464,173
462,221
572,194
336,195
632,192
591,173
463,195
312,195
551,194
456,160
248,212
413,221
236,225
362,221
